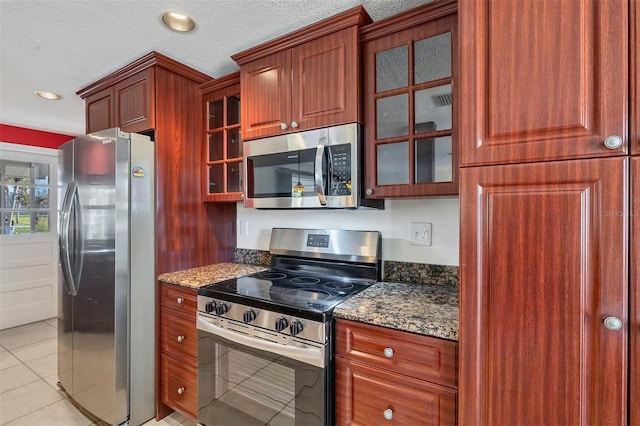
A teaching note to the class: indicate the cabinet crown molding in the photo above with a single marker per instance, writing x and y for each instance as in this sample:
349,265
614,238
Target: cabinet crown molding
220,83
354,16
149,60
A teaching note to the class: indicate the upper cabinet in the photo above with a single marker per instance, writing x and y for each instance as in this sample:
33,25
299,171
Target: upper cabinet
577,105
222,144
303,80
127,104
410,73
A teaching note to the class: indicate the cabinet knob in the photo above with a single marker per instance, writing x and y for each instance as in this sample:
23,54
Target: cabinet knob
368,191
180,339
388,414
294,125
388,352
284,126
180,390
612,323
179,300
613,142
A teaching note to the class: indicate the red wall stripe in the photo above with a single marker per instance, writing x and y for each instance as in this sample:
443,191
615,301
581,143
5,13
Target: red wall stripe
24,136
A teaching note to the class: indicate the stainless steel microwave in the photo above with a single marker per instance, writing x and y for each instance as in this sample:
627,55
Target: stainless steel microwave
311,169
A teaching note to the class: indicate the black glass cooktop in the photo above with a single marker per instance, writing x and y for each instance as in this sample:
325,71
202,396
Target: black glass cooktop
274,288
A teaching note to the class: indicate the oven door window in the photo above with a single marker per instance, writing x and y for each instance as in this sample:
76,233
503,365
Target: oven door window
239,385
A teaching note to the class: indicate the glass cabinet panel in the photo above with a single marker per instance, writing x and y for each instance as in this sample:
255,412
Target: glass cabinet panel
234,177
392,116
216,111
433,109
215,146
392,68
432,58
216,178
433,160
393,160
234,144
233,110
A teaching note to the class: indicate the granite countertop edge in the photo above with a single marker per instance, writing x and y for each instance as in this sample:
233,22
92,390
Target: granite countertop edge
430,310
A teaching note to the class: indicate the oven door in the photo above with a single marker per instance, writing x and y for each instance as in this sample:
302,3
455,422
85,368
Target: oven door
245,379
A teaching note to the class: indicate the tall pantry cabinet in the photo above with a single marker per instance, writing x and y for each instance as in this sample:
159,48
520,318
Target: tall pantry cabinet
548,213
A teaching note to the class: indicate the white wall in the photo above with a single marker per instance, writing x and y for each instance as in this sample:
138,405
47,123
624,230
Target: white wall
393,223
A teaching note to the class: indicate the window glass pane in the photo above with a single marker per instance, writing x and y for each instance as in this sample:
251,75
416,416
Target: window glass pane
215,114
433,160
392,114
234,177
41,197
432,58
233,110
433,109
392,68
234,145
215,146
393,163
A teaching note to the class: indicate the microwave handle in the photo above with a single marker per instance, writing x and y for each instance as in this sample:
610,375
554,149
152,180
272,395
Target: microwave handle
317,171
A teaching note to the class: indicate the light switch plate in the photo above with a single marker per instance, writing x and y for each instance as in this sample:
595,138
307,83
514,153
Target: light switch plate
420,233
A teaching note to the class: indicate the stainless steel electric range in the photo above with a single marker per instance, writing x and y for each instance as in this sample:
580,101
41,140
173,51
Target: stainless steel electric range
265,341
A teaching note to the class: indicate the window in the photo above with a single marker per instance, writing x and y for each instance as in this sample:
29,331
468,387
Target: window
27,202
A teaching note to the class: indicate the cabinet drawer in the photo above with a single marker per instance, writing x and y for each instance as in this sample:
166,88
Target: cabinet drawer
422,357
179,298
372,396
179,388
179,337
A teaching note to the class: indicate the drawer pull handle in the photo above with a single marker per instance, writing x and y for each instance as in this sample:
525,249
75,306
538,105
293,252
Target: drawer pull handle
179,300
388,414
180,339
388,352
180,391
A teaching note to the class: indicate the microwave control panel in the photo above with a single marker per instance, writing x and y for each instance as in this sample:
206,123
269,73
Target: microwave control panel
340,170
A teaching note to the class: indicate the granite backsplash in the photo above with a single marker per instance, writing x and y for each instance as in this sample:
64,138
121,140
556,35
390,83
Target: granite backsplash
394,271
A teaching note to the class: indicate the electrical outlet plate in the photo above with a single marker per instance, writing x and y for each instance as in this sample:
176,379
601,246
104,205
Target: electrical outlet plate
420,234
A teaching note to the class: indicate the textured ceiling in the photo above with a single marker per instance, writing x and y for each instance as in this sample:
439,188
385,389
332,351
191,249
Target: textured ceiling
63,45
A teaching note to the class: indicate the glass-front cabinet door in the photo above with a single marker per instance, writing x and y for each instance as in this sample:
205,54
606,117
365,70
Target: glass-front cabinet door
223,145
410,129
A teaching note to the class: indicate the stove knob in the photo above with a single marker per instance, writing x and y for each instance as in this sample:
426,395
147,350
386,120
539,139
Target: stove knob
221,308
249,316
296,328
281,324
210,307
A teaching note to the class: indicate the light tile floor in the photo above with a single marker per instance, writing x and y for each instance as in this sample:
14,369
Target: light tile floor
29,395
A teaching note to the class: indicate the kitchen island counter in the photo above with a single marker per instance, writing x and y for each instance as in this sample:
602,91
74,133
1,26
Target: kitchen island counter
430,310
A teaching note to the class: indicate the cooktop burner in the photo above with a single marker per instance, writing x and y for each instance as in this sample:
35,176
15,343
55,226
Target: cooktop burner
286,288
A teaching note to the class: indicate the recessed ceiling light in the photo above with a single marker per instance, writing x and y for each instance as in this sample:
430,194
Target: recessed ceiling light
48,95
178,21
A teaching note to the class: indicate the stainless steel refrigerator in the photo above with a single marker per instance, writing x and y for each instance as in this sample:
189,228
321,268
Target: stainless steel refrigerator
106,312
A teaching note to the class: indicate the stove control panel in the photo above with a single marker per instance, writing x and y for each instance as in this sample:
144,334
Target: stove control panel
285,325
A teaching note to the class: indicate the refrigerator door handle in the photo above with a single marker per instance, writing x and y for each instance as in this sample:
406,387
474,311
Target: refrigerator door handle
67,258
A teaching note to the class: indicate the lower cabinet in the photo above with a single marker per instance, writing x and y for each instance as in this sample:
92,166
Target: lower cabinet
178,373
386,376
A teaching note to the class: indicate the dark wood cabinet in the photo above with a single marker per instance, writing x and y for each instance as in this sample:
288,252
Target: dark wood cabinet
410,103
393,377
178,385
189,233
634,50
303,80
543,80
543,264
634,318
127,104
222,144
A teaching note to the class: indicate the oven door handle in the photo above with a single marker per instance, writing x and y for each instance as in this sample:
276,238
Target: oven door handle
309,355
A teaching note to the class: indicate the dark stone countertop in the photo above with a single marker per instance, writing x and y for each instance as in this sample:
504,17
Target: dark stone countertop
431,310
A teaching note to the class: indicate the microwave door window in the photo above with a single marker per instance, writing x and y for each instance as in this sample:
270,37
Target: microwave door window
283,174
